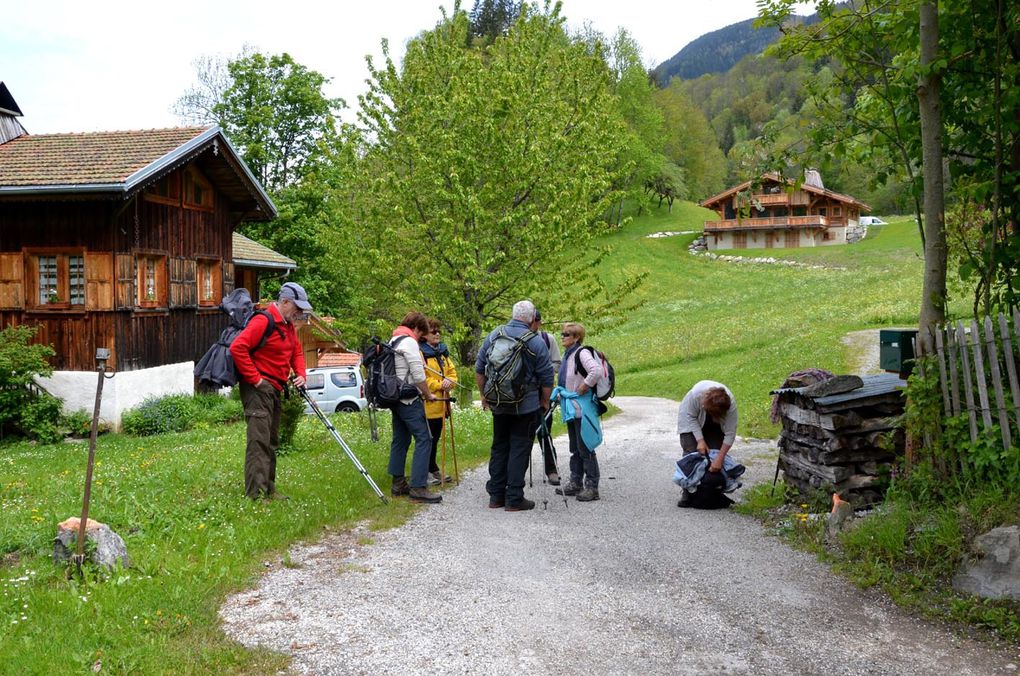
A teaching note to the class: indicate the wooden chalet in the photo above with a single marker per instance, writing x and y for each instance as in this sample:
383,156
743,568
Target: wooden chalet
125,240
776,213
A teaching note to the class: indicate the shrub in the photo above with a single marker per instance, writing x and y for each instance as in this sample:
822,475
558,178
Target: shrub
78,423
160,415
40,418
213,409
20,362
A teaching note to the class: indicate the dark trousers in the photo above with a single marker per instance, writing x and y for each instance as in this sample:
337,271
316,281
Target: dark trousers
436,429
710,431
409,422
512,439
262,415
584,465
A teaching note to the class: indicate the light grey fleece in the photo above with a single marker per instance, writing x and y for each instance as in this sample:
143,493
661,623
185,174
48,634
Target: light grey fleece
692,416
409,365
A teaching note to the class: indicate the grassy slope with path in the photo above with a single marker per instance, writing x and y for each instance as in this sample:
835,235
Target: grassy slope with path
750,325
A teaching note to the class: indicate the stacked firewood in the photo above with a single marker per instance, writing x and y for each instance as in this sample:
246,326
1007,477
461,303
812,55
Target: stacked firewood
842,443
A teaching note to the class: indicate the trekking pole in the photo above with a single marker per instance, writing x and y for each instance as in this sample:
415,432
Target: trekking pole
336,435
453,447
548,433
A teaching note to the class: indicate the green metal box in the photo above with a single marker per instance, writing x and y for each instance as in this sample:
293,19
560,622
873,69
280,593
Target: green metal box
896,350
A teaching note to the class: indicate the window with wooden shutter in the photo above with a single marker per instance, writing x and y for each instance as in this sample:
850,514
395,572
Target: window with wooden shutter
125,281
54,279
12,284
151,283
98,281
210,282
182,283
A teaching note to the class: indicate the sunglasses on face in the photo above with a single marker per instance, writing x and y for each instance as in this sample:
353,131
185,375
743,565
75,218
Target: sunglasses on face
436,333
567,335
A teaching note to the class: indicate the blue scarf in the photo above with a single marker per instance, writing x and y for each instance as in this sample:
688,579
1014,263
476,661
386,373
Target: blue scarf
434,352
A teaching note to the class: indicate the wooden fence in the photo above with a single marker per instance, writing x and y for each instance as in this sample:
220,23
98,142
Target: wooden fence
976,363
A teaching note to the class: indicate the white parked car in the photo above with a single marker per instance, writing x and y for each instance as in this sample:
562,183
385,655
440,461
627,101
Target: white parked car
336,388
871,220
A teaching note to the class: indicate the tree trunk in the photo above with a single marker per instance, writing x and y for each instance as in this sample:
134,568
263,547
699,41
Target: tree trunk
933,299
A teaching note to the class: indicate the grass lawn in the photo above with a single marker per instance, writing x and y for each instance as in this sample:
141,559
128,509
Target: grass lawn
193,538
177,500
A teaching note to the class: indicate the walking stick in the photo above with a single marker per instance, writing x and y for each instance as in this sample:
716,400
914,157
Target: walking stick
453,447
336,435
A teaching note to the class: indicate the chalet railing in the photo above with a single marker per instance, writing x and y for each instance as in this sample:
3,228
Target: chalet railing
975,364
775,222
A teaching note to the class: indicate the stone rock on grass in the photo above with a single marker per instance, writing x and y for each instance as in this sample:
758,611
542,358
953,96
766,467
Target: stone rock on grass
995,574
110,549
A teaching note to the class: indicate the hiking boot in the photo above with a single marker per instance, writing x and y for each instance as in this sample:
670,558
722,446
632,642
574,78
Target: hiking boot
572,488
553,478
685,500
521,506
436,478
276,495
588,495
399,487
497,503
423,495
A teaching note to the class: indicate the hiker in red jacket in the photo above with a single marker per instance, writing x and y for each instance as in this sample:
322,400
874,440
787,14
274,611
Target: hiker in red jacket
264,369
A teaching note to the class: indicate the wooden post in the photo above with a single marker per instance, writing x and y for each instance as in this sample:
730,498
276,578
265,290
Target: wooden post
979,374
940,352
961,337
954,379
993,367
1007,351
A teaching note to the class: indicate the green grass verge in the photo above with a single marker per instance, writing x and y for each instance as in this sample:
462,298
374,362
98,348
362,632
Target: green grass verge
177,500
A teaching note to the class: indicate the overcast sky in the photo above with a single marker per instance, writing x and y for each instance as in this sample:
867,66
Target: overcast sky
117,64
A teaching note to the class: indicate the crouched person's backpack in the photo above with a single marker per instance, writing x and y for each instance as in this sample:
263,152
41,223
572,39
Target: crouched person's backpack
383,388
504,368
606,385
216,367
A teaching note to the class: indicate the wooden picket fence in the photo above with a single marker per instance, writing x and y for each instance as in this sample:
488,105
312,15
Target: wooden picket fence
975,364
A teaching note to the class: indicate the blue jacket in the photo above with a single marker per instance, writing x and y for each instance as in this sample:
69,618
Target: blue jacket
691,468
591,426
538,370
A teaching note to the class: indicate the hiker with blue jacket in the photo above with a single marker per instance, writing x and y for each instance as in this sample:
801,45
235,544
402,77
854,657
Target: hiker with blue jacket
707,421
515,377
576,396
264,368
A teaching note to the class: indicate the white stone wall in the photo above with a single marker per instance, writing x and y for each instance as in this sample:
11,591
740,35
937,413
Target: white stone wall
125,390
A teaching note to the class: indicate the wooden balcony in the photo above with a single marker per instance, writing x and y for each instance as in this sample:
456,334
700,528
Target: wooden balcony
768,223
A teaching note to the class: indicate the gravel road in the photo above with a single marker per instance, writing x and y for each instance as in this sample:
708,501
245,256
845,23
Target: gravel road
629,584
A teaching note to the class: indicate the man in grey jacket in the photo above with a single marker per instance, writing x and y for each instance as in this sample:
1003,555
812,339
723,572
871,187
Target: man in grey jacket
513,424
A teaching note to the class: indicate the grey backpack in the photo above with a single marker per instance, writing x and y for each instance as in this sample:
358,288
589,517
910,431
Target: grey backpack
504,368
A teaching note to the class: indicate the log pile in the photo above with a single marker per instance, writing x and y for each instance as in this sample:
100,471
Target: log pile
843,443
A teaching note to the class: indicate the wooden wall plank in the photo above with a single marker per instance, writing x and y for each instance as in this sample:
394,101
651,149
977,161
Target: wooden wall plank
961,340
980,375
993,368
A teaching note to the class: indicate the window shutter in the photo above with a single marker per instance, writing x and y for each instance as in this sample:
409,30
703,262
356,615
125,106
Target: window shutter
183,289
98,281
125,281
228,277
12,281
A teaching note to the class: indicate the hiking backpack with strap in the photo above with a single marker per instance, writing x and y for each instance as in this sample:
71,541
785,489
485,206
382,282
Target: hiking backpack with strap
504,368
606,385
216,367
383,388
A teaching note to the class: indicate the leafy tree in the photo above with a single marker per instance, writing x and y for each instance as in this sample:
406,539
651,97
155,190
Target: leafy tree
690,144
487,167
491,19
276,113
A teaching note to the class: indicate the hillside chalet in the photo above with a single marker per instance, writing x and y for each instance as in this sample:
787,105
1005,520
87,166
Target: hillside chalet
777,213
125,240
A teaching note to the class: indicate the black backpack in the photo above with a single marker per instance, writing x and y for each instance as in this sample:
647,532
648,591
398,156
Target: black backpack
216,367
606,386
383,388
504,368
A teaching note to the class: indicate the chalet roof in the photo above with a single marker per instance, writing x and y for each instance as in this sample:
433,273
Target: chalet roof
839,197
249,253
120,163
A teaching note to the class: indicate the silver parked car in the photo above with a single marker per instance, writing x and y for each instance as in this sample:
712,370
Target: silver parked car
336,388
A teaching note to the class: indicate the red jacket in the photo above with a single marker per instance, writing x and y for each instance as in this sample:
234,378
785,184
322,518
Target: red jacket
274,360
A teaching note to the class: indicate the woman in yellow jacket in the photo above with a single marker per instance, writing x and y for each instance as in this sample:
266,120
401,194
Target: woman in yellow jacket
441,378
